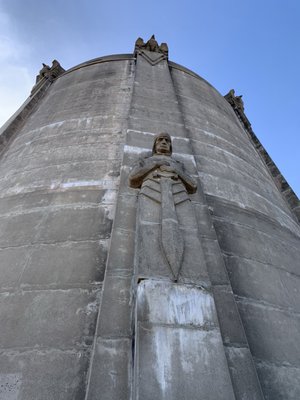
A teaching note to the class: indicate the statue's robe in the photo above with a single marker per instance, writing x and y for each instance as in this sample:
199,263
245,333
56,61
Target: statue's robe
166,223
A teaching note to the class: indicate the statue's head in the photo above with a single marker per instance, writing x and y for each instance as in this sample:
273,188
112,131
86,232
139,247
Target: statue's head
162,144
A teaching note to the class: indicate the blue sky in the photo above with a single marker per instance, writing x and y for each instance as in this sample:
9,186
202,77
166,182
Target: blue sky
249,45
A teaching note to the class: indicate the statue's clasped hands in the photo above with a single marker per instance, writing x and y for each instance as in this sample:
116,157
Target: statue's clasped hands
164,166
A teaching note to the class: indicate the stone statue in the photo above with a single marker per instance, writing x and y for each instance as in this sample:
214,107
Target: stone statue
163,182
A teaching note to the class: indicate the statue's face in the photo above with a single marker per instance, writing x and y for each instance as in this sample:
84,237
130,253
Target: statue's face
163,145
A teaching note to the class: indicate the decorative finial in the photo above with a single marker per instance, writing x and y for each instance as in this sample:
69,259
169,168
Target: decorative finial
47,74
235,101
152,46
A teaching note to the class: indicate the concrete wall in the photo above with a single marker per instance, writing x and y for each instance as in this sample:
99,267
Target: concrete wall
59,178
257,232
64,194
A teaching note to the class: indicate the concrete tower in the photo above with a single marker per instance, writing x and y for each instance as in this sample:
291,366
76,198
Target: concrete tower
137,266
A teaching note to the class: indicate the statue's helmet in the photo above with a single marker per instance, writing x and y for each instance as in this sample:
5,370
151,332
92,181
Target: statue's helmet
160,135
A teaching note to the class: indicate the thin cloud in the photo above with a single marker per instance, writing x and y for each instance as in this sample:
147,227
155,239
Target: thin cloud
16,77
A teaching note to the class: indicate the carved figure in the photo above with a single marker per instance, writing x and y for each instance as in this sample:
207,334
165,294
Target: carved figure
162,180
50,72
151,45
235,101
44,72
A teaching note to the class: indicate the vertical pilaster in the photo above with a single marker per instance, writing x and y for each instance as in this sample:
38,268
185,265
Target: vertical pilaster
179,351
110,371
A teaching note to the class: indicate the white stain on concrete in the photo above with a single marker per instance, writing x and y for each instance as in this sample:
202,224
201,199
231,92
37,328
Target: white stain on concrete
175,304
163,370
135,149
78,184
109,197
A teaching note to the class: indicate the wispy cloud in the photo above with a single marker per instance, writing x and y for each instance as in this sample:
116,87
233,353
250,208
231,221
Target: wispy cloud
16,79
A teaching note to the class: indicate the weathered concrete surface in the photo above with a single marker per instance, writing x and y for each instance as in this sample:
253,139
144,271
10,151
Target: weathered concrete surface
43,374
243,375
257,233
111,370
59,178
67,248
179,351
279,381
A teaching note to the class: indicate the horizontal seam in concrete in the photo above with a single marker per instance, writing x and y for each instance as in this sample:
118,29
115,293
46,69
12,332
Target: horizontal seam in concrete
89,133
262,217
163,100
152,134
243,157
40,156
76,146
112,85
254,228
93,240
125,230
221,114
90,286
59,123
155,120
132,150
275,364
264,304
21,291
193,119
246,209
228,254
240,141
149,325
27,288
54,208
190,103
12,351
198,158
266,195
127,273
226,286
218,128
189,285
180,68
24,171
294,223
245,174
236,345
158,110
180,91
60,187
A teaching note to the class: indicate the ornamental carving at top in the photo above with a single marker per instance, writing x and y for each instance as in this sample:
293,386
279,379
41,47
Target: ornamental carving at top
47,74
152,46
50,72
235,101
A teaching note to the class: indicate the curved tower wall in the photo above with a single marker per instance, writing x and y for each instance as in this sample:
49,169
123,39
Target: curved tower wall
65,204
256,230
59,178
